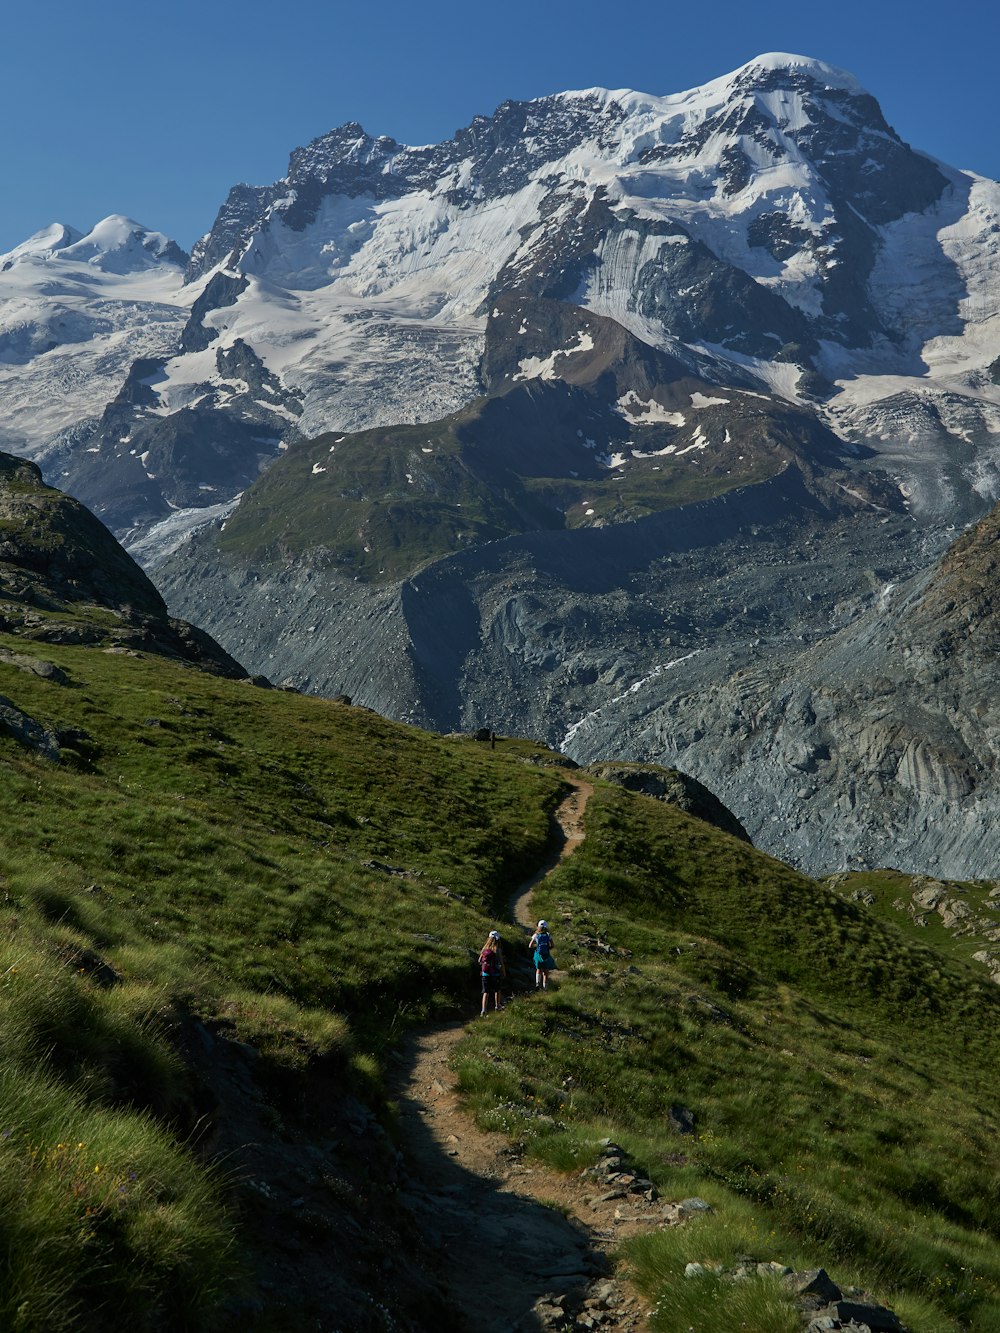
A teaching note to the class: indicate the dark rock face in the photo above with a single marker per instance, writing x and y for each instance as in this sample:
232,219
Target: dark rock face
58,563
691,292
778,235
135,392
859,156
146,464
193,458
221,291
674,788
240,362
234,221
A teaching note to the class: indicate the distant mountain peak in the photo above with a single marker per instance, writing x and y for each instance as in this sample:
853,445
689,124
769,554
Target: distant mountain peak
116,244
56,236
119,244
818,70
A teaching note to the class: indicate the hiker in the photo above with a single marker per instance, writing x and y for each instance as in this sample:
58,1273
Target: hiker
541,942
493,969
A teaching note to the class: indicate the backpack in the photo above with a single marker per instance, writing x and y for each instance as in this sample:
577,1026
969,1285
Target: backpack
489,963
543,943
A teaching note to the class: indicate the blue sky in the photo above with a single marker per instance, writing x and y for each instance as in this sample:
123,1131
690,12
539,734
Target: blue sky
154,111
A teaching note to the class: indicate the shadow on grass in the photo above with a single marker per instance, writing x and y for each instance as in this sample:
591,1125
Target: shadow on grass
501,1253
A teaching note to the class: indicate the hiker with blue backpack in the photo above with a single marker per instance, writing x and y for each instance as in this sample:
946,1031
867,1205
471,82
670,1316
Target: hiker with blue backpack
493,970
541,942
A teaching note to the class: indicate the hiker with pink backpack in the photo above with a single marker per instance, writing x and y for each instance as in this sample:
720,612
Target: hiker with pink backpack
493,970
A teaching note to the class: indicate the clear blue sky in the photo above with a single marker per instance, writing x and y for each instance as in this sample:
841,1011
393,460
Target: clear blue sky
154,110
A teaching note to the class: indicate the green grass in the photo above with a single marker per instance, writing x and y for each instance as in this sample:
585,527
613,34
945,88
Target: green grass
308,876
381,503
887,895
103,1215
314,880
840,1072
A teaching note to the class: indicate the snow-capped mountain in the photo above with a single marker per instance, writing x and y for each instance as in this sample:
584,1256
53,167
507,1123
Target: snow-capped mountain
75,311
770,220
87,323
771,216
623,396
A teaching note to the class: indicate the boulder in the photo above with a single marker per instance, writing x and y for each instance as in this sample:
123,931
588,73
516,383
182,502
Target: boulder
953,911
813,1287
865,1314
35,666
680,1119
27,731
928,897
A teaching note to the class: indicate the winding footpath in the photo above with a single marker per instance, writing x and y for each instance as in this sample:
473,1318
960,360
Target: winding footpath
525,1249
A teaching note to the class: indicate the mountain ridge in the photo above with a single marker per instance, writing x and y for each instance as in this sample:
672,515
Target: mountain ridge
771,286
795,289
64,579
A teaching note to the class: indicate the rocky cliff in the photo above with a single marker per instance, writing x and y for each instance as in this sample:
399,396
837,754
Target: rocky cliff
64,579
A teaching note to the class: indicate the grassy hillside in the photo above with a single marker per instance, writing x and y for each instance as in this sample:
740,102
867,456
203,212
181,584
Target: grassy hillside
383,502
213,862
841,1075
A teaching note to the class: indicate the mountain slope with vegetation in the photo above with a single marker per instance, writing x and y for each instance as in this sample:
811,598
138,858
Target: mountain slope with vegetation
820,1077
224,905
612,432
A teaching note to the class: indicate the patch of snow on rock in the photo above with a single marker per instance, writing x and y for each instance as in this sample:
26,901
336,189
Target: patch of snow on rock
536,367
638,412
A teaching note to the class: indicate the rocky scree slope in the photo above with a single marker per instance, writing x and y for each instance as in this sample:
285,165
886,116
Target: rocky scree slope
873,745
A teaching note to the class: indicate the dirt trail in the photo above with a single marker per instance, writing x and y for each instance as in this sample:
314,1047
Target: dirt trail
527,1249
570,833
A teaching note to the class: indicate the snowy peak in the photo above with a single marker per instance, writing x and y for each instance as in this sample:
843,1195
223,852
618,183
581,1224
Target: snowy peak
780,122
42,245
696,104
117,244
818,71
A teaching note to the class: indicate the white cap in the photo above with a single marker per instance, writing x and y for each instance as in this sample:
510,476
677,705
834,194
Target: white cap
494,934
543,925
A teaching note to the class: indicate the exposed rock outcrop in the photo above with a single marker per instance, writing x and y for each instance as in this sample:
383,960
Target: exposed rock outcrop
64,579
674,788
